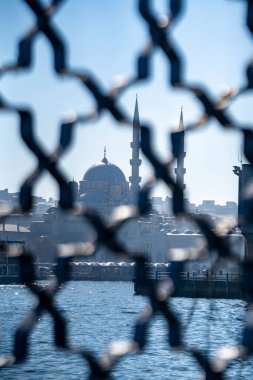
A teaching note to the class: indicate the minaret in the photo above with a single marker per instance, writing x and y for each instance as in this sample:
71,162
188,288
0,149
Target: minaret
180,170
135,162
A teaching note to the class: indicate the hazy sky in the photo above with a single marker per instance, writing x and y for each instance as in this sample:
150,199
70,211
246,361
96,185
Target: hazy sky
105,37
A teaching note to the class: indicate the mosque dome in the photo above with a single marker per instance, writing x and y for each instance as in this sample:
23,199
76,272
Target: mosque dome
104,171
73,184
104,186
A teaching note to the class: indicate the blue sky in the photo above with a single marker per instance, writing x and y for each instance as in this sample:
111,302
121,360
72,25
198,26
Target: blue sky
105,37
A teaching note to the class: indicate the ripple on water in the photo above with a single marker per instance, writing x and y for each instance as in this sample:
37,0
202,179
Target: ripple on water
100,312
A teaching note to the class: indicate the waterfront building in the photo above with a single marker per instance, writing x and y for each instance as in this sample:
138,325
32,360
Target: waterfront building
209,207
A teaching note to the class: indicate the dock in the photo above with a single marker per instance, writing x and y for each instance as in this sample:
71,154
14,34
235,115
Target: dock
204,285
192,285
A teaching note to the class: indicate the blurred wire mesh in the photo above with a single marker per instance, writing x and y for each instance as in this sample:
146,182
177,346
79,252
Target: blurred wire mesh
216,240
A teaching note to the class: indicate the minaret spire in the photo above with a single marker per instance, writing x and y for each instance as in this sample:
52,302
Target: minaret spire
181,121
180,170
135,162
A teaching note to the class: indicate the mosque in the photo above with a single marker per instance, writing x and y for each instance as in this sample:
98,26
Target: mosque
104,185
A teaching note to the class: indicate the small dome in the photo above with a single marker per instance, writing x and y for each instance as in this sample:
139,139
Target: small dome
73,183
105,172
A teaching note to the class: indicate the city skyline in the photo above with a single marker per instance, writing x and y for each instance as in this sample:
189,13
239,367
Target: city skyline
210,153
5,193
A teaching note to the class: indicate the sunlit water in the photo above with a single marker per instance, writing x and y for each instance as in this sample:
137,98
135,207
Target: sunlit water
100,312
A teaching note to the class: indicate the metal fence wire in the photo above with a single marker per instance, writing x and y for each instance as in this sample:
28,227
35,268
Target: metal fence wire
160,38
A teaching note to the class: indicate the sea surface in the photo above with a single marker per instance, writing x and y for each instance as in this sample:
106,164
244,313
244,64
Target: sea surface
100,312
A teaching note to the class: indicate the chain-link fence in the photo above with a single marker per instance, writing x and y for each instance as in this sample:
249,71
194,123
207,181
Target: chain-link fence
216,243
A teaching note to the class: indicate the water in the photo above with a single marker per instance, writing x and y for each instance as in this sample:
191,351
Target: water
100,312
